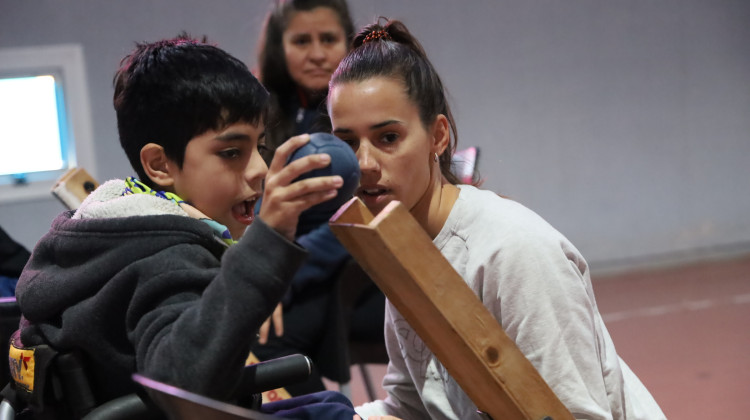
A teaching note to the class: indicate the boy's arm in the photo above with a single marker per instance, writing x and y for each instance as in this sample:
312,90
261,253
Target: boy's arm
198,322
193,323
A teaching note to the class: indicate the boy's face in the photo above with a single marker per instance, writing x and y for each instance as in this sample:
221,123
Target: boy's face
222,175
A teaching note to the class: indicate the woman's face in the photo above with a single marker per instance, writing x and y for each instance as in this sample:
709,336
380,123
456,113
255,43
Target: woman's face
394,149
314,44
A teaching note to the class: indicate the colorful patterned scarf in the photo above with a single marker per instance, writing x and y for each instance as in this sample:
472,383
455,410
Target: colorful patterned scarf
134,186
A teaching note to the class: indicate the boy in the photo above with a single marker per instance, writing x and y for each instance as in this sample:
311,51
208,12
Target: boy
141,278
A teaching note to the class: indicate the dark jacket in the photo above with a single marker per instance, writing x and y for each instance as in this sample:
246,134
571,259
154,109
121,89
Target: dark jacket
156,294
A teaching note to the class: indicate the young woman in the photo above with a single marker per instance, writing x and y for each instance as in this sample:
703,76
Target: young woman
387,101
302,43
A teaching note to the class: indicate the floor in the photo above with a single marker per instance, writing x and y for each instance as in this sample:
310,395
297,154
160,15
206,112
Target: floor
685,331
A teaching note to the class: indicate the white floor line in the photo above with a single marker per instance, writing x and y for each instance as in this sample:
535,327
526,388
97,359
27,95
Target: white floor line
685,306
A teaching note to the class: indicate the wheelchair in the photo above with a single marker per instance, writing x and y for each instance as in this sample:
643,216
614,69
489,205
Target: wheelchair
47,384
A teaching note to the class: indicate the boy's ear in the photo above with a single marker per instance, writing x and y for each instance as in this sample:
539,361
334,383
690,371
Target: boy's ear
441,134
156,164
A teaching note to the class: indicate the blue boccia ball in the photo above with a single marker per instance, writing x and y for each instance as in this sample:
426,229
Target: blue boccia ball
343,162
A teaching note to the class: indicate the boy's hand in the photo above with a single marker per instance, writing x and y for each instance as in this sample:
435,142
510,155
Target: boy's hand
277,319
284,200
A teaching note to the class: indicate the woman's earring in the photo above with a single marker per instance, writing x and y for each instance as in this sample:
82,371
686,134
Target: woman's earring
436,157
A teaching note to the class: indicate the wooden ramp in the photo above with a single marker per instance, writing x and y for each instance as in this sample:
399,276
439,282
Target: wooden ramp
402,260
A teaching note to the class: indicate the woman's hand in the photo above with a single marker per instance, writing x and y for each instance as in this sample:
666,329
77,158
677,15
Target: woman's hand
277,319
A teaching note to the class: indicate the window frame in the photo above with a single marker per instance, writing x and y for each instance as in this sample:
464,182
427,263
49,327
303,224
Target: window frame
66,63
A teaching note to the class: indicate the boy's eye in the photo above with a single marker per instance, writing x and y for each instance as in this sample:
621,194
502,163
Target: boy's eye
230,153
262,147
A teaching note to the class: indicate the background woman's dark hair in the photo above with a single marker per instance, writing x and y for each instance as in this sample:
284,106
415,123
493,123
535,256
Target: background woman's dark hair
170,91
272,65
398,55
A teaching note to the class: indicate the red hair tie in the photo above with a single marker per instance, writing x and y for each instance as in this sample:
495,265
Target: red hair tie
377,34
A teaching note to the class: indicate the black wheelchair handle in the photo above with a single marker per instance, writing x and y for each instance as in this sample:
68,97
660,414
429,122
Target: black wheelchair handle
275,373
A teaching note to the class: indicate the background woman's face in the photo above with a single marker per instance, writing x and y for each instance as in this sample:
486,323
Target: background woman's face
314,44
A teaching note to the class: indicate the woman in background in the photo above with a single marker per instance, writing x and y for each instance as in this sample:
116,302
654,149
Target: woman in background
302,43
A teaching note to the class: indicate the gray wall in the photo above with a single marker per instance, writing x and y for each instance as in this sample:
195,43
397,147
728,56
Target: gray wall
626,124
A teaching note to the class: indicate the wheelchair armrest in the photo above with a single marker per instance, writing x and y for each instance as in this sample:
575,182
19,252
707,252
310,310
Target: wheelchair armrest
275,373
7,412
127,407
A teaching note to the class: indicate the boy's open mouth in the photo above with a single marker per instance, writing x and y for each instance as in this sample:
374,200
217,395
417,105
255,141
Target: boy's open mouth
244,212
